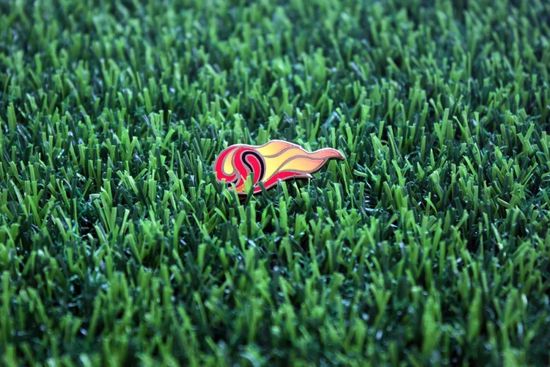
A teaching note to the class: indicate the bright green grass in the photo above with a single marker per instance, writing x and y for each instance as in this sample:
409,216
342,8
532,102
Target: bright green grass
429,245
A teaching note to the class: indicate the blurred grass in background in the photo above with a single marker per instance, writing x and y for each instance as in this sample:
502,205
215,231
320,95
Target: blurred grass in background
429,245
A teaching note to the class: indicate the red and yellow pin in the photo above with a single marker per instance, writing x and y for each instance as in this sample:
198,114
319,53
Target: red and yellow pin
269,163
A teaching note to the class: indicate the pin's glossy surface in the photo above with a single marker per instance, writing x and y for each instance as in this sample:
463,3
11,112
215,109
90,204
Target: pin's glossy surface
268,163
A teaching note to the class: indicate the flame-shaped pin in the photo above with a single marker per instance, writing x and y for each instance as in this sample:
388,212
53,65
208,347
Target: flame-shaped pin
268,163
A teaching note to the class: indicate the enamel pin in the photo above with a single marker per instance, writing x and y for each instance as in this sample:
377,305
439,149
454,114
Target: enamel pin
268,163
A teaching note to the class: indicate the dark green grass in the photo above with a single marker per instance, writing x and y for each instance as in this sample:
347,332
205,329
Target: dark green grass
429,245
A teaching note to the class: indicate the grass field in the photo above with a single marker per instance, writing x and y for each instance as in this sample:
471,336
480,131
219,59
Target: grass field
428,245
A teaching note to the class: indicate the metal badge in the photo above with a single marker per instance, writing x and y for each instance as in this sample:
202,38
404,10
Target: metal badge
268,163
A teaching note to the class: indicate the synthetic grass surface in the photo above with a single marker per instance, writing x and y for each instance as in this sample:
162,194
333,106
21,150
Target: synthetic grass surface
429,245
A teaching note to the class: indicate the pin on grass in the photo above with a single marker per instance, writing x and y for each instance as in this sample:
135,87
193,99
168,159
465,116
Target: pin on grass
265,165
428,245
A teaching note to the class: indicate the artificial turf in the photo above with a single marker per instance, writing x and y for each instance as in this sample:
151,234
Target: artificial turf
428,245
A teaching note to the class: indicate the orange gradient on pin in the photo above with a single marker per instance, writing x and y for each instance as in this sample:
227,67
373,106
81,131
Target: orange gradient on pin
268,164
